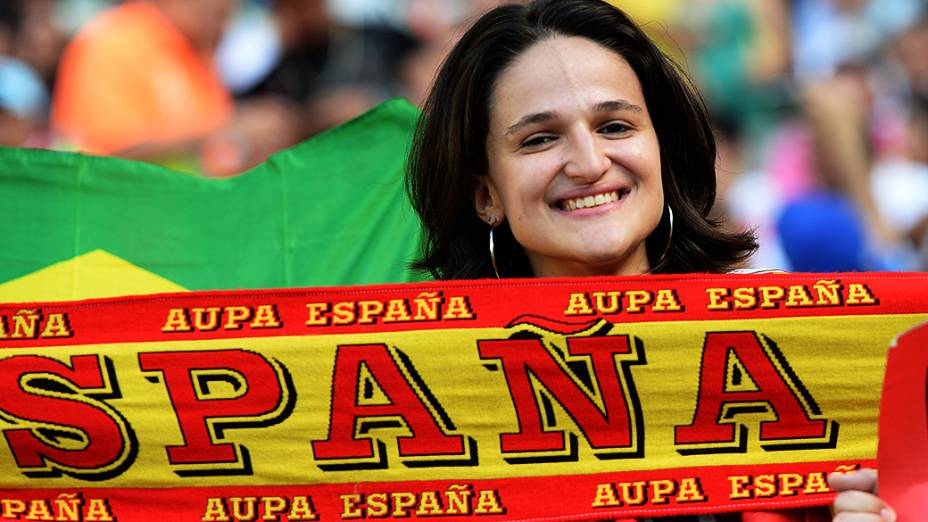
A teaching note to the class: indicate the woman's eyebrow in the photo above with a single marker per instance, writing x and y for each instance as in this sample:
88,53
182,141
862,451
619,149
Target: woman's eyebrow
531,119
540,117
616,106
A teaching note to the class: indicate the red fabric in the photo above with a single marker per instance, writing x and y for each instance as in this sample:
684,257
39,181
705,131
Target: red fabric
773,516
804,515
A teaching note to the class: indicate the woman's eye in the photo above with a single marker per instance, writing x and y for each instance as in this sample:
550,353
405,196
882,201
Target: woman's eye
614,128
537,141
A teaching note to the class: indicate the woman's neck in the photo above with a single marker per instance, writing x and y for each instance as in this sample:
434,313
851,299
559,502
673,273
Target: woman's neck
633,265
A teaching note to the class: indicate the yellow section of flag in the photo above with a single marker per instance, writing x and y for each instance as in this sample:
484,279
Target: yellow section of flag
91,275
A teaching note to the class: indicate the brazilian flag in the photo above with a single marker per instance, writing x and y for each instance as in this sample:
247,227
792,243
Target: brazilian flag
331,211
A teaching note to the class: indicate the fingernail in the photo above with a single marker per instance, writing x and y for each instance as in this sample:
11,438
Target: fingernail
888,515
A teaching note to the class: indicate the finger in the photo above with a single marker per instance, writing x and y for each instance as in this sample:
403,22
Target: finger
858,501
858,517
863,480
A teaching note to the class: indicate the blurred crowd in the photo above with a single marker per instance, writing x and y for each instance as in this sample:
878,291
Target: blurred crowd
820,106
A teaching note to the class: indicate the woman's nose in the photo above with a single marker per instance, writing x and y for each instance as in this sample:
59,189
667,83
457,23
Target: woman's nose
587,160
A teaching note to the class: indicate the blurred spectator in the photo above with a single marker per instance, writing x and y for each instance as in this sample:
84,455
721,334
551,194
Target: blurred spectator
829,34
23,96
819,75
297,54
435,24
138,81
755,197
856,103
822,232
911,51
900,184
332,61
39,41
281,50
23,103
740,55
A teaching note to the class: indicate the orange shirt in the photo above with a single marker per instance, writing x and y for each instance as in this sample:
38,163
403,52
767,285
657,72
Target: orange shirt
131,77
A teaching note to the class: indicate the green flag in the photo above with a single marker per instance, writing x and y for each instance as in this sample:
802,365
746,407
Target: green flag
331,211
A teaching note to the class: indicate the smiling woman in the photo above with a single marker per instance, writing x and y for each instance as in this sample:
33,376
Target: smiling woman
558,140
559,133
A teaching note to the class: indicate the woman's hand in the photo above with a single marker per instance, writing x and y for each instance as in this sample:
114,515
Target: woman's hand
857,500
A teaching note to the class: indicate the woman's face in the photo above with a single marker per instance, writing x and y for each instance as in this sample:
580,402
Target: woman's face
574,162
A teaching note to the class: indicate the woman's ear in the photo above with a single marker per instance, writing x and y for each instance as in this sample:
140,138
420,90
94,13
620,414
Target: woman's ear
487,202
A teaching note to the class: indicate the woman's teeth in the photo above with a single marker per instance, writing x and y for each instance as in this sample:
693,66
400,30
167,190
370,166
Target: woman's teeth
590,201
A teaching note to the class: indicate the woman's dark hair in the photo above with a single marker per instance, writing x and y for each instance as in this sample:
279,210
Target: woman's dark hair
449,147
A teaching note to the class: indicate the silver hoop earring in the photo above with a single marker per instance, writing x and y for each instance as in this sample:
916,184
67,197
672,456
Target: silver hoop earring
663,257
493,251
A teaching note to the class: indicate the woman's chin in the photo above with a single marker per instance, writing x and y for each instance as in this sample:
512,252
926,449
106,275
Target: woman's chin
594,263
